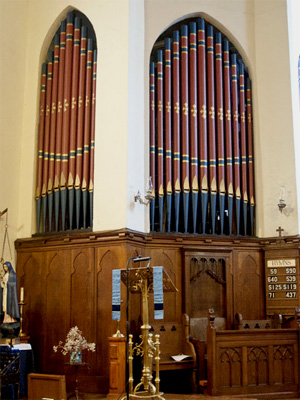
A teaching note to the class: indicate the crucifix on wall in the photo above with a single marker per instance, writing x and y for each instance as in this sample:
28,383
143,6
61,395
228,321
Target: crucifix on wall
279,230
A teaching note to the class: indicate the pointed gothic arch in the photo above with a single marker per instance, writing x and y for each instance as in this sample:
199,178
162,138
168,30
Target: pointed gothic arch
201,150
66,136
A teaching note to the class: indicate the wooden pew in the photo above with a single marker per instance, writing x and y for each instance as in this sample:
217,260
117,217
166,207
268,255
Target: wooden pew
256,362
272,323
198,336
175,340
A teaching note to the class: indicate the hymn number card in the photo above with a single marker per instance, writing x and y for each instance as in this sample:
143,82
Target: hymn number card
281,286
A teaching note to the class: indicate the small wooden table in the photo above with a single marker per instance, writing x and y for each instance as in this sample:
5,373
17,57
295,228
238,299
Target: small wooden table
75,394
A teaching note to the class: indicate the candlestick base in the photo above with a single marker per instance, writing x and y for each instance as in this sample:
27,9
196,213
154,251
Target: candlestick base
9,330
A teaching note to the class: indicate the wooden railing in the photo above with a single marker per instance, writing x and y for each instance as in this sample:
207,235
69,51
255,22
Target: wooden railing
260,362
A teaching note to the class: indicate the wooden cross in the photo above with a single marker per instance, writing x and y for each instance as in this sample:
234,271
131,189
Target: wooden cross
279,230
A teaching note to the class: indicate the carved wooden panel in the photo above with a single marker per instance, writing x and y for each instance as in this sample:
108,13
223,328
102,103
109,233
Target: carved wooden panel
57,310
68,281
253,362
106,260
32,271
117,358
171,261
248,278
207,286
82,295
208,283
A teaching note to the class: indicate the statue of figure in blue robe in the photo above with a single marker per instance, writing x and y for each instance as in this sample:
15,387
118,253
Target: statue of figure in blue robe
8,297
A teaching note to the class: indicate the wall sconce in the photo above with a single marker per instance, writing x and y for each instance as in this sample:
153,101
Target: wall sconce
148,196
281,203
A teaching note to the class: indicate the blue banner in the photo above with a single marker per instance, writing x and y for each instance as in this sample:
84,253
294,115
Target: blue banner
116,294
158,292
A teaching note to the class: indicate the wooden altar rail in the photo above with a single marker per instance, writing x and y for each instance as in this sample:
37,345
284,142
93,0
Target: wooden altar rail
262,363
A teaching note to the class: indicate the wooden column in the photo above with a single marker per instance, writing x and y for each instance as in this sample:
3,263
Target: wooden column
117,366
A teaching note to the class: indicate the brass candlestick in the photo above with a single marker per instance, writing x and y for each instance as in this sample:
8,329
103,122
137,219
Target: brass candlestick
118,333
21,304
148,349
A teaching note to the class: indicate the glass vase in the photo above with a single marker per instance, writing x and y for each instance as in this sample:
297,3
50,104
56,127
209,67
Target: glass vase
75,357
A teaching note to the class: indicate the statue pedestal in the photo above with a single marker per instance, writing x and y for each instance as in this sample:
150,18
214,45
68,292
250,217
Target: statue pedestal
117,366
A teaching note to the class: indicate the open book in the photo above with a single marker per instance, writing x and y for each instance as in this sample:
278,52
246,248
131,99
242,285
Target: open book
180,357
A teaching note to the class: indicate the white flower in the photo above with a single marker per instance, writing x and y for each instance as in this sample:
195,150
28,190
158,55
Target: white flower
74,342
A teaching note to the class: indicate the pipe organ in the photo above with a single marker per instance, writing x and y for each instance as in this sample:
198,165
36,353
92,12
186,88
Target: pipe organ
201,151
65,164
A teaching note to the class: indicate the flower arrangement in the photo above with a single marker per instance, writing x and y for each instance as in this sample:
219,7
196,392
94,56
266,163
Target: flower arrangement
75,342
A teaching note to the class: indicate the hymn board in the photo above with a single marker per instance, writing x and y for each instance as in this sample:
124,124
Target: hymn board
282,281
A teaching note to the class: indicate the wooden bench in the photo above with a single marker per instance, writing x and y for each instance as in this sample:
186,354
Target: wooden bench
198,336
253,362
175,340
272,323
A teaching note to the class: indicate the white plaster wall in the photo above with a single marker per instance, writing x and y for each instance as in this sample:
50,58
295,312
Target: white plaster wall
126,31
13,32
111,23
294,32
274,140
258,29
137,146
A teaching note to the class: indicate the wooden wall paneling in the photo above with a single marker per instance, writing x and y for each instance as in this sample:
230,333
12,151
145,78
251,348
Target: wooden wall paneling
68,280
208,283
260,362
56,315
31,276
107,259
83,306
170,259
135,300
249,299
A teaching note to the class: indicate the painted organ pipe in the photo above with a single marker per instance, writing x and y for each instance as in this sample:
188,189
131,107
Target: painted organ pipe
87,130
92,143
184,116
66,118
152,141
193,106
220,129
208,134
39,174
168,131
176,127
80,123
50,190
243,145
236,137
202,118
160,139
73,121
59,119
63,126
228,135
250,155
212,153
47,137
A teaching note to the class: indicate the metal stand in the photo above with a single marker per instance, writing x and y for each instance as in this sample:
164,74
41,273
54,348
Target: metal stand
21,304
75,395
141,281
